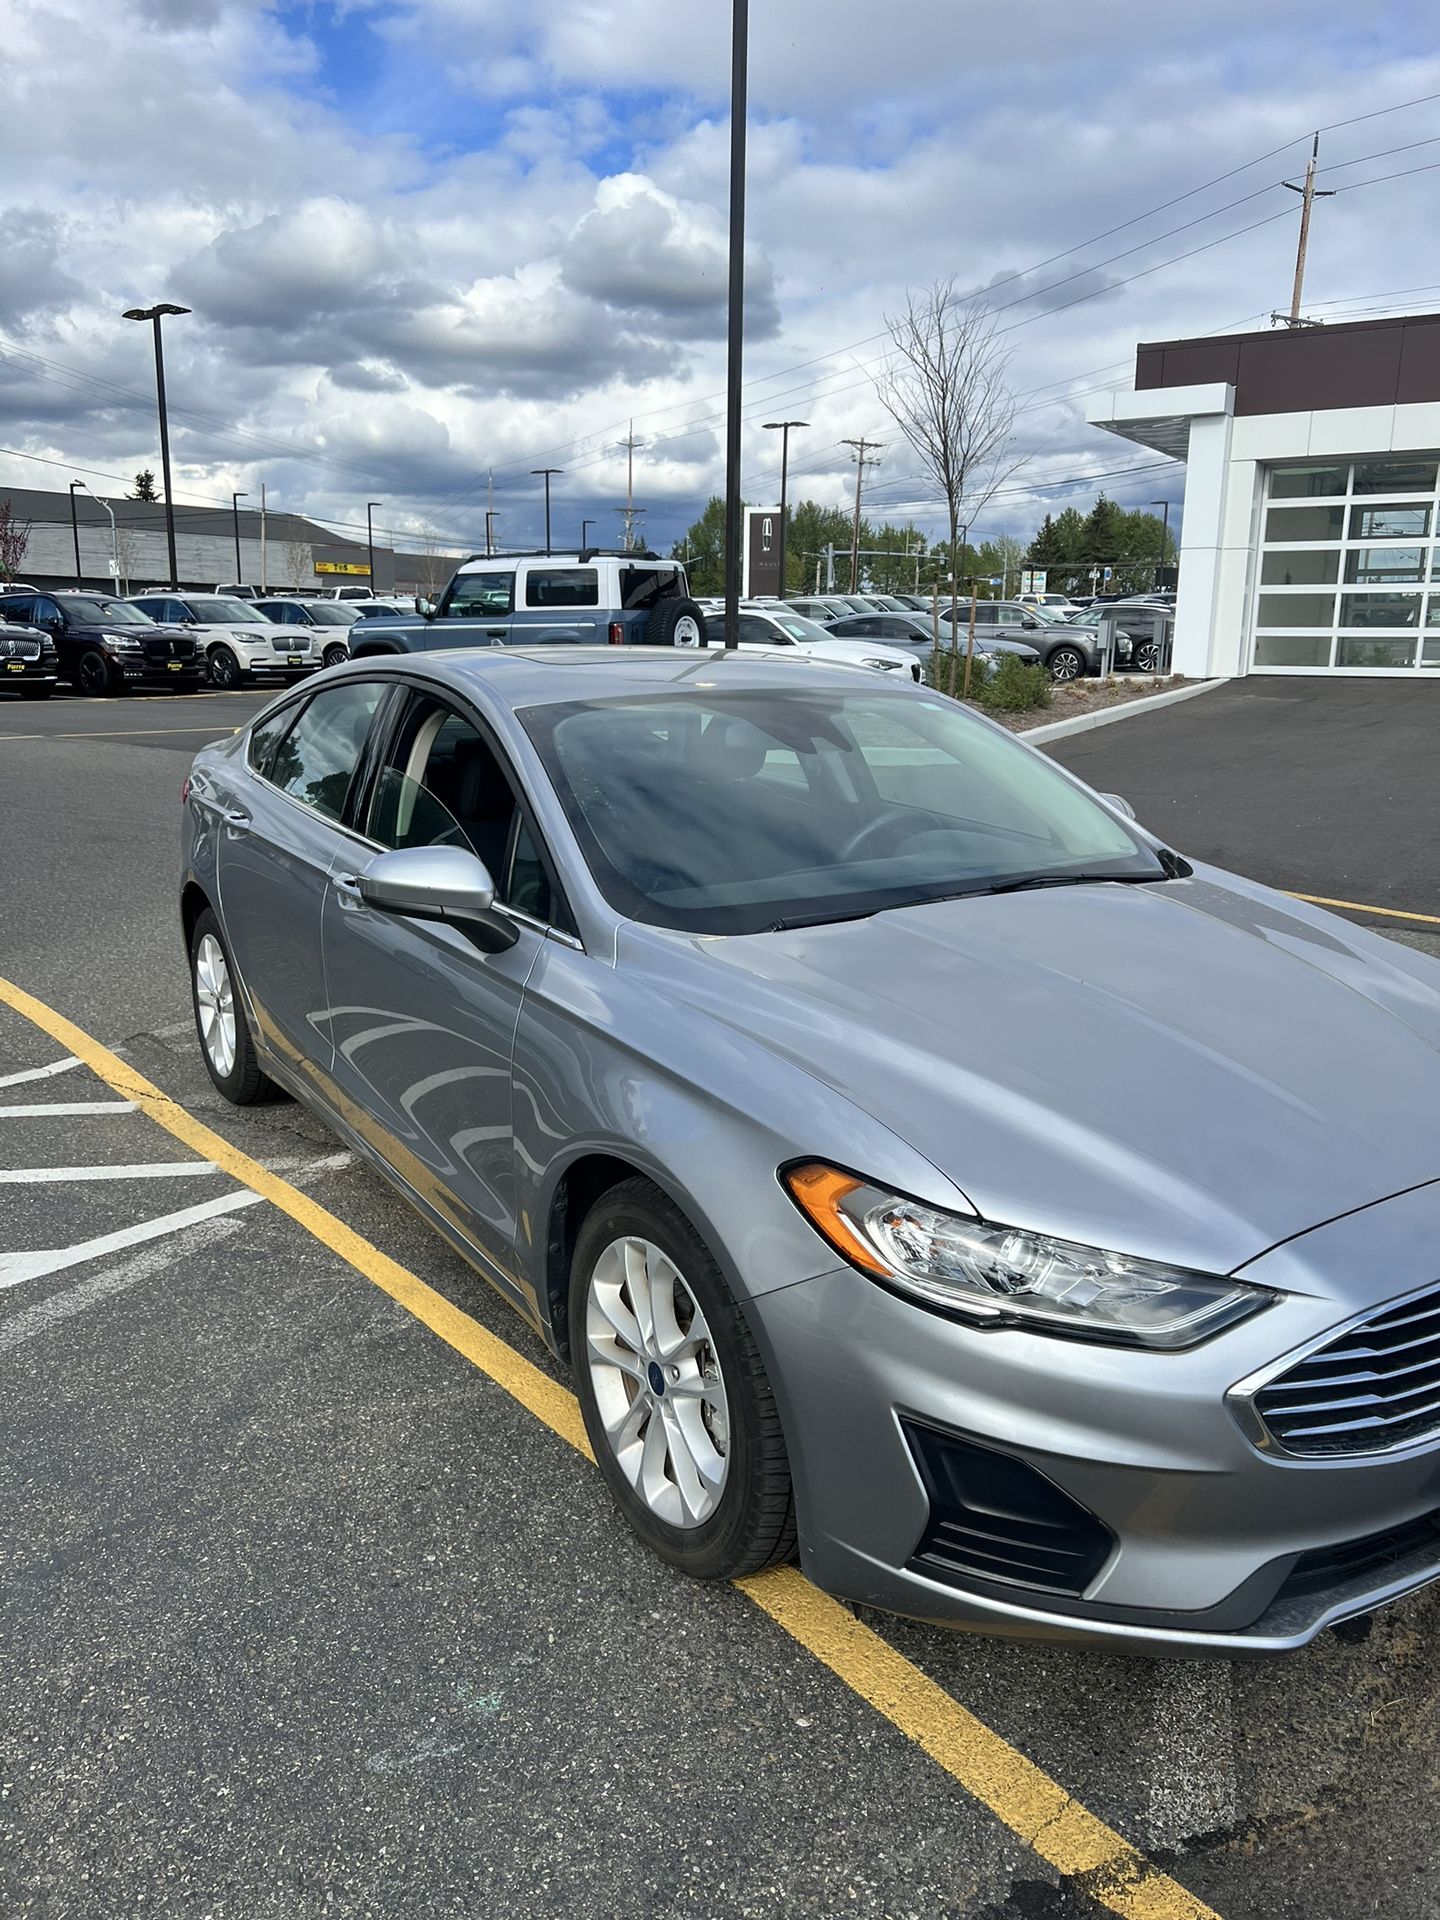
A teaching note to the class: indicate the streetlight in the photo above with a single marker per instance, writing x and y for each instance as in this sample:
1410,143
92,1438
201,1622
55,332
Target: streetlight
585,526
155,315
1164,535
735,319
75,527
782,427
114,537
546,472
235,500
370,506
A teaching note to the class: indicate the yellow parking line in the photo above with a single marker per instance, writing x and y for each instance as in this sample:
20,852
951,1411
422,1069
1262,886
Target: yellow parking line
1034,1807
1353,906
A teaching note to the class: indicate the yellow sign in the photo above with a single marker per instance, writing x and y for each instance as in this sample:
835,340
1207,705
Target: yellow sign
343,566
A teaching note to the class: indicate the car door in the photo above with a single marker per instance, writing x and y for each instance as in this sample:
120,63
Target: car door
484,600
280,830
423,1017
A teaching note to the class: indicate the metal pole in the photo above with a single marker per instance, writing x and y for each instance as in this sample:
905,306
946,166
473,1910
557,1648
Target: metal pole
545,473
735,331
782,427
860,465
165,456
75,527
262,536
370,506
489,530
1164,535
235,500
585,526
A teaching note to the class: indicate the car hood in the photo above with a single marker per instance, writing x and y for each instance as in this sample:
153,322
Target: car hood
1192,1071
250,635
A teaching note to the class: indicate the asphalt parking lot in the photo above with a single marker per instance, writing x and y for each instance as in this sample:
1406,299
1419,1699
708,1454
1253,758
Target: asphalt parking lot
307,1616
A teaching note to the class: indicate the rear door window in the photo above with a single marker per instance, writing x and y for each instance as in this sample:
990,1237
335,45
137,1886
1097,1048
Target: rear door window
562,587
642,587
317,760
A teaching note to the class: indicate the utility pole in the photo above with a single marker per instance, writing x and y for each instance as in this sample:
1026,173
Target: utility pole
630,443
235,500
1309,195
370,506
75,526
489,530
630,515
860,465
735,312
263,583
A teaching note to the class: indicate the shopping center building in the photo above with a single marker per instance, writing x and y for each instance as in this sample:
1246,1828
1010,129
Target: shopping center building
1312,488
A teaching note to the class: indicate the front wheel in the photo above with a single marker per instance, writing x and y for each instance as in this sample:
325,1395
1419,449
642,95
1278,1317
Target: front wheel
92,673
673,1391
225,670
1144,657
1066,664
337,654
220,1022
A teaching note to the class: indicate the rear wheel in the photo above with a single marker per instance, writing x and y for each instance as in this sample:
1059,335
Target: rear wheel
675,623
1066,663
220,1022
93,674
225,670
674,1393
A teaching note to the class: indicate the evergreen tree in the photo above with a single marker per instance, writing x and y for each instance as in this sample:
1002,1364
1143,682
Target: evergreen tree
144,486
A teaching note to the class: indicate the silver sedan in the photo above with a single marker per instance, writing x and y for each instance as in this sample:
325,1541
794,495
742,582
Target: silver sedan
921,1166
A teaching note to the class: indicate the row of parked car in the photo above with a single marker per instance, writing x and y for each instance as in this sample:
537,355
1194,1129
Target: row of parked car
101,644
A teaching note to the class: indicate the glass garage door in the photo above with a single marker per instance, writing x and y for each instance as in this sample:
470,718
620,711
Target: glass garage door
1349,576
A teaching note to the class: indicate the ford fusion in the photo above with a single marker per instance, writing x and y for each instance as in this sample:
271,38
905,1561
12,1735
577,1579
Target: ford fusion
922,1168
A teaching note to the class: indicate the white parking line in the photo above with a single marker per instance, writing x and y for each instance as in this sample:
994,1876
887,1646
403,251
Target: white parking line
17,1268
105,1284
143,1170
39,1073
67,1107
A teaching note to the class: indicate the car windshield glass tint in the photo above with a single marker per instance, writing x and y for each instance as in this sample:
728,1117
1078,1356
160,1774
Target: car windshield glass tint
331,614
226,613
104,613
831,804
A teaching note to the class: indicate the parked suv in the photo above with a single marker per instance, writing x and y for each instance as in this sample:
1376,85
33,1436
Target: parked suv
239,643
329,620
1066,653
105,645
623,599
29,662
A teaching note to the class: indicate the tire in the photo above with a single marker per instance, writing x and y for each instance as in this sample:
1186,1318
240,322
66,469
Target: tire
93,675
36,693
233,1067
1143,658
335,656
1067,664
676,623
226,672
733,1425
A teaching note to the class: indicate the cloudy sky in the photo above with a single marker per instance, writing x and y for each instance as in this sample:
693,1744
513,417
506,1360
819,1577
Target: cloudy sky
428,239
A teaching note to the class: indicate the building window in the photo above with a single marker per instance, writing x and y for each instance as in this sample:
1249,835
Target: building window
1349,566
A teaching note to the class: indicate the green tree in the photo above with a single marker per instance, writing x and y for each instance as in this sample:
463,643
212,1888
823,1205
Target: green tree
144,486
812,529
702,548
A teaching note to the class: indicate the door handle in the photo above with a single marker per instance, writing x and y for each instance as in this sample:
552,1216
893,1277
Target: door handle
236,819
496,633
347,886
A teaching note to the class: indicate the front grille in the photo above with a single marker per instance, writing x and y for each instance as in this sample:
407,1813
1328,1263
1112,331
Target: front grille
995,1519
1374,1387
15,646
158,651
1368,1558
282,645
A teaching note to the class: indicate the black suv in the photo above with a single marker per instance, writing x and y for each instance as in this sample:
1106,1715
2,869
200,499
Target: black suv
29,664
104,645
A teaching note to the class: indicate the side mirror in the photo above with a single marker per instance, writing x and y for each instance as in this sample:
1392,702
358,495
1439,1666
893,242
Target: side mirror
424,606
435,883
1120,804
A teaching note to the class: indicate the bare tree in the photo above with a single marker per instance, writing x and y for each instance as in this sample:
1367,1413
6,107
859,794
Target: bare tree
14,539
298,562
945,386
127,557
435,567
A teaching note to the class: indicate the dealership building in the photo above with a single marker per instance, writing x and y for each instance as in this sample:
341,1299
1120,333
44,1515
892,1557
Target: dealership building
1312,489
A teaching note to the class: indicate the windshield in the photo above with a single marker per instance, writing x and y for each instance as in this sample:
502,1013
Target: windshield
226,613
329,613
799,628
833,805
90,611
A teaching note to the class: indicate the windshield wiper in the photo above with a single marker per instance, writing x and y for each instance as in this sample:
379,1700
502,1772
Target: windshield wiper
1036,880
821,919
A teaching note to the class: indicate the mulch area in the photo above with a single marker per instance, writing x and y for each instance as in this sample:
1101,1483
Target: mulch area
1088,696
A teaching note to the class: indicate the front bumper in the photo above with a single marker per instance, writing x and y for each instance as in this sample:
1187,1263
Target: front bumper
28,673
166,673
1208,1544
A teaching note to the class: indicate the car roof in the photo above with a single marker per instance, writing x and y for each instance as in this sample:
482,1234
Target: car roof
554,675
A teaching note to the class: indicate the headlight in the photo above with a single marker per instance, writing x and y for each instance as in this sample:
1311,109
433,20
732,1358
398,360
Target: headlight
1003,1274
121,642
884,666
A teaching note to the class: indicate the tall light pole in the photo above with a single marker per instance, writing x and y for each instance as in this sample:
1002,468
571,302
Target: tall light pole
75,527
546,472
735,328
1164,535
782,427
114,536
585,526
235,500
155,315
370,506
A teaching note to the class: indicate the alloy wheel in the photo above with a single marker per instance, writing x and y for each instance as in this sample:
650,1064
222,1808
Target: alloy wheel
657,1381
93,673
336,656
224,668
215,1000
1066,664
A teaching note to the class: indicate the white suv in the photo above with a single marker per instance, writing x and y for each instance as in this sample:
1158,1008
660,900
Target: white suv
770,623
239,643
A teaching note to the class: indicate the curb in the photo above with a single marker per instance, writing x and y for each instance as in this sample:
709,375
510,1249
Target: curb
1083,722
